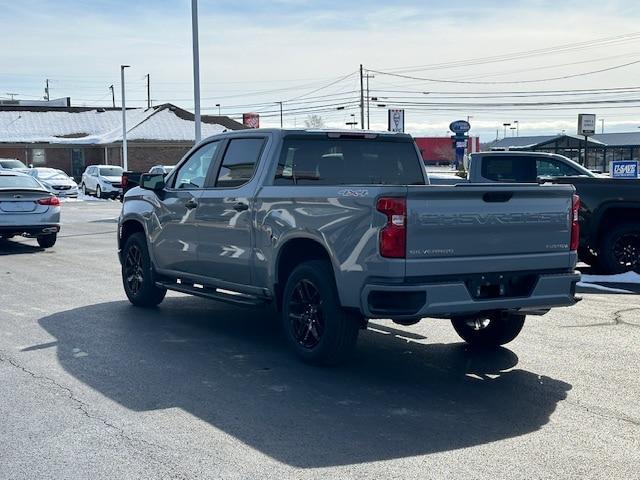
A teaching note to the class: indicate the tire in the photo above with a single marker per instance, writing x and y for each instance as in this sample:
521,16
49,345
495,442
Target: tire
620,249
495,329
47,241
316,326
98,192
83,187
137,273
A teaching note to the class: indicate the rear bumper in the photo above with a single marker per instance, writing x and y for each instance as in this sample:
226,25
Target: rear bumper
29,230
448,299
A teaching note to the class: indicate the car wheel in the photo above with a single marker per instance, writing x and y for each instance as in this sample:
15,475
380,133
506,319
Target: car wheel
588,256
47,241
620,249
83,187
316,326
489,330
137,273
98,192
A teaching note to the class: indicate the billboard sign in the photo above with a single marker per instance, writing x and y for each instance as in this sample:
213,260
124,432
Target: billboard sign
586,124
396,120
460,126
251,120
624,169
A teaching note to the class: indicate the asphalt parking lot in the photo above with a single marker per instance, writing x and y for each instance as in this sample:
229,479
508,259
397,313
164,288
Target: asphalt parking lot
95,388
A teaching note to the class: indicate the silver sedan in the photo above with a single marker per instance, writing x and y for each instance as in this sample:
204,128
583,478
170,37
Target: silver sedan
28,208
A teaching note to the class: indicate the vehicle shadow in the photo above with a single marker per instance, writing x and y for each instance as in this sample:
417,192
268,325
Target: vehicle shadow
399,397
9,247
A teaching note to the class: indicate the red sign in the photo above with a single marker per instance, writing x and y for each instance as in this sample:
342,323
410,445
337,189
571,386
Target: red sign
251,120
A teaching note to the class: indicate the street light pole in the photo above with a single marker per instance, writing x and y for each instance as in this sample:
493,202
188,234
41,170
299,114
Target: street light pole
505,125
602,125
125,164
218,105
517,127
281,123
196,68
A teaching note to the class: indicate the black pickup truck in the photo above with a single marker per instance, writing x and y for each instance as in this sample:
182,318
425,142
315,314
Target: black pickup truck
609,208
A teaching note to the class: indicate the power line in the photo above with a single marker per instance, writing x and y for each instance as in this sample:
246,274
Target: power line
505,82
522,54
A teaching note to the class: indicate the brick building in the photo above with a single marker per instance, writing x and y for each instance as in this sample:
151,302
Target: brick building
70,138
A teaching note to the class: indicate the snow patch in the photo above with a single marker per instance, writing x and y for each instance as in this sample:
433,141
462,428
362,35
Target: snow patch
628,277
595,286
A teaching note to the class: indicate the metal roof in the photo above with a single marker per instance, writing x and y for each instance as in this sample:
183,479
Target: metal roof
624,139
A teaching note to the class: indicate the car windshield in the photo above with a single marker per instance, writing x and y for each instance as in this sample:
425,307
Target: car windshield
51,174
12,164
18,181
110,171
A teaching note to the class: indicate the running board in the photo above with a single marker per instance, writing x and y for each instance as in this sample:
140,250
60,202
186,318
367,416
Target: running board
212,293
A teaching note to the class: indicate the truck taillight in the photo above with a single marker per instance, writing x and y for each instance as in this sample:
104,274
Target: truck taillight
50,201
575,226
393,236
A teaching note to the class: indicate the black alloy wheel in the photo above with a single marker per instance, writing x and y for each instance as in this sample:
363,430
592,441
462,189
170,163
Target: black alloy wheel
316,326
133,271
306,315
620,249
626,250
137,273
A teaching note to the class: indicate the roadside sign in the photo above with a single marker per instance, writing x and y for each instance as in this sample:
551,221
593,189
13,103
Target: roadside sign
586,124
251,120
624,169
396,120
460,126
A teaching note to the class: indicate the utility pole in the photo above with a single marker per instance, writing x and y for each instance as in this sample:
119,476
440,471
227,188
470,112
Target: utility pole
46,90
361,98
113,96
148,90
367,76
124,120
280,103
196,68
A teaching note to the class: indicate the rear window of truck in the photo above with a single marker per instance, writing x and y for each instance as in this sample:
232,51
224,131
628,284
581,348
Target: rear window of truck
348,161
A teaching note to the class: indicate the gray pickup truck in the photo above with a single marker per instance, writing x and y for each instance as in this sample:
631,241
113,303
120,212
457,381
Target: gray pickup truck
334,228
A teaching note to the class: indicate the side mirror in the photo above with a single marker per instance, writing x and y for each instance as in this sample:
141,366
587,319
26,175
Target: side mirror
152,181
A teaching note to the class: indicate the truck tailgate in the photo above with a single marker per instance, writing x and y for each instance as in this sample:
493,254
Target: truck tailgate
482,228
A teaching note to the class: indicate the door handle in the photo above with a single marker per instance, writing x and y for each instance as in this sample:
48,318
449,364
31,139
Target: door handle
191,204
240,207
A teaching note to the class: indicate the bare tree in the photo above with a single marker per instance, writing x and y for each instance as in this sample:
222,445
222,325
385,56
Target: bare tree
314,121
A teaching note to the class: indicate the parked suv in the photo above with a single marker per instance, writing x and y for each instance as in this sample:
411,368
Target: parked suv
103,181
11,164
336,227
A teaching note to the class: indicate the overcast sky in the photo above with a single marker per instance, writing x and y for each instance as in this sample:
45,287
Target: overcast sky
255,53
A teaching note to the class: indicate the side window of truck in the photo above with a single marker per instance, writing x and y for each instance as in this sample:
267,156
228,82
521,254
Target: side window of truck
553,168
239,162
193,172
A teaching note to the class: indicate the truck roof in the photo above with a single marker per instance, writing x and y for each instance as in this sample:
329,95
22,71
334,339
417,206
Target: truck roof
301,131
